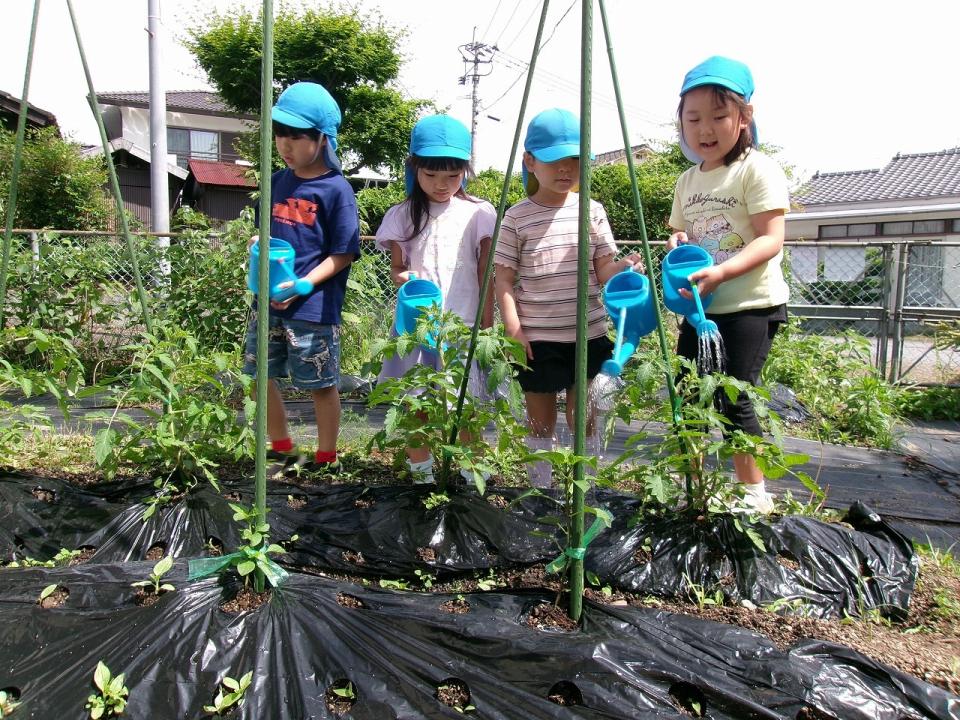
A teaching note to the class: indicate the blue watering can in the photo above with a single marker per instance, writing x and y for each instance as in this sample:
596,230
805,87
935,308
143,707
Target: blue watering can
282,256
629,302
679,264
412,297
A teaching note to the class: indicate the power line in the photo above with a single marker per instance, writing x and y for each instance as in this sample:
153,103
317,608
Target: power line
542,46
507,24
523,27
475,54
489,24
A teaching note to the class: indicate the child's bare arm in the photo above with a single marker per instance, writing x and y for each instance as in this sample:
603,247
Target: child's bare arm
505,279
607,266
398,268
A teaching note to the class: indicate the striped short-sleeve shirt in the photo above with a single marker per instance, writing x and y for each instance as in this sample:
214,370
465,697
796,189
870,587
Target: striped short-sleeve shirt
540,244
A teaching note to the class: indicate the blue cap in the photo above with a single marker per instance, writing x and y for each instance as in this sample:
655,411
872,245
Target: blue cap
309,105
717,70
552,135
438,136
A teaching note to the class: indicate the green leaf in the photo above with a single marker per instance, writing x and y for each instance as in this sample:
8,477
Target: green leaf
163,566
246,567
101,676
103,446
230,683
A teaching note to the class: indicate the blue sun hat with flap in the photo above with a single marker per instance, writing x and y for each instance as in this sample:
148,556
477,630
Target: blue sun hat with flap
552,135
309,105
725,72
438,136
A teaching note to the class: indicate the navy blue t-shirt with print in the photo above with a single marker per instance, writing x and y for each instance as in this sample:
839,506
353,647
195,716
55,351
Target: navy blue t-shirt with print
318,216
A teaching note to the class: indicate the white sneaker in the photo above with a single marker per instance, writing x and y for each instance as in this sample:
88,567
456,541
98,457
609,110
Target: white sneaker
762,503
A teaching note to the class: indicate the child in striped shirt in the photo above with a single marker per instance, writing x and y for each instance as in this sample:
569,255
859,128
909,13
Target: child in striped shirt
536,278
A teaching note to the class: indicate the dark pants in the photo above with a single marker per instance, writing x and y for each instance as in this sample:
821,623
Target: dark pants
747,337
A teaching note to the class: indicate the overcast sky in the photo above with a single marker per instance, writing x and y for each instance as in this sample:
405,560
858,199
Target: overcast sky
840,85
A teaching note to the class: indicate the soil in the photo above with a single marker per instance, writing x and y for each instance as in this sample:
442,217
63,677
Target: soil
44,495
349,601
547,616
339,705
214,547
427,554
55,599
498,501
156,552
245,601
146,597
457,606
296,502
354,558
83,554
454,693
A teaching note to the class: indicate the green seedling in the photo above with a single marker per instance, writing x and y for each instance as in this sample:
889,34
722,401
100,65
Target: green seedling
229,694
254,557
435,500
7,704
394,584
47,592
112,696
159,570
426,579
491,582
63,557
346,692
701,596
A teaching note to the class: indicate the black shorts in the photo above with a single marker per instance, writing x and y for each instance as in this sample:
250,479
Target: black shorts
747,337
554,364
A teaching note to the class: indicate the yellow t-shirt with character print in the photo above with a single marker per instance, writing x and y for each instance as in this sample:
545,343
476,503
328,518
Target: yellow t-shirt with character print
714,209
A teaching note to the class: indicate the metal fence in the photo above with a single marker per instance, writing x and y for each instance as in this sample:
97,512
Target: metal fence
894,292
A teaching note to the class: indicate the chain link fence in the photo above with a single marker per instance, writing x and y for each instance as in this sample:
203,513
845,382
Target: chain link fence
897,293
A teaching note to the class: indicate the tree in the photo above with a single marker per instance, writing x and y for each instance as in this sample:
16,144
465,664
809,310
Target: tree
356,57
58,187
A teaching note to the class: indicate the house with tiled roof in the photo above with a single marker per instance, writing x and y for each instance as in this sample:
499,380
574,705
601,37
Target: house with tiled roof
909,209
200,127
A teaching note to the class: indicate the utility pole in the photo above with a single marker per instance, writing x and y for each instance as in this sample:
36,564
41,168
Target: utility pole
474,55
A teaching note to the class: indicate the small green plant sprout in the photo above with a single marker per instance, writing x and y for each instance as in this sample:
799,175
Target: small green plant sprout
111,699
595,582
394,584
789,606
346,691
254,556
491,582
159,570
426,579
701,596
7,704
62,558
47,592
229,694
435,499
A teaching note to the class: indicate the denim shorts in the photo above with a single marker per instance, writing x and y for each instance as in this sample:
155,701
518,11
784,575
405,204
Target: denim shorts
307,352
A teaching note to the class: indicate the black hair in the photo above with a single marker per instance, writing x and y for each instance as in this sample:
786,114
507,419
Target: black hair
419,202
281,130
720,97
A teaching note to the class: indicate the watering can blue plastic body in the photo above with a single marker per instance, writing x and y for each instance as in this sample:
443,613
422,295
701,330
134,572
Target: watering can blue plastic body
412,297
282,257
679,264
629,302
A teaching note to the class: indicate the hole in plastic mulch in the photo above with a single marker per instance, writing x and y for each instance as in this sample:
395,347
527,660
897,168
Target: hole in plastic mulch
689,698
349,601
157,551
56,598
565,693
340,697
214,546
44,495
454,692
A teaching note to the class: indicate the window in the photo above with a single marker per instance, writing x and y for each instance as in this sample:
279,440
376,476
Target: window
833,231
929,226
898,228
186,144
956,226
862,230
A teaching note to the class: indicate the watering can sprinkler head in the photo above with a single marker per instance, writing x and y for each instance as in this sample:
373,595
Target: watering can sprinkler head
703,325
